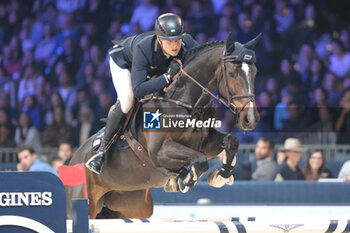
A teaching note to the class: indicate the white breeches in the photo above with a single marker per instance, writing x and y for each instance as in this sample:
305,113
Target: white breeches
122,84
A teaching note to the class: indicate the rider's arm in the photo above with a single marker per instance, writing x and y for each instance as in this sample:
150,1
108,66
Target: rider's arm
140,84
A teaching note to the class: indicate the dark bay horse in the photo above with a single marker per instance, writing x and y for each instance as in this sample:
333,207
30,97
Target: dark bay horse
176,159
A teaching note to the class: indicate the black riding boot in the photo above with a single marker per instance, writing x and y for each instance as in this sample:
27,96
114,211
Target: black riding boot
114,122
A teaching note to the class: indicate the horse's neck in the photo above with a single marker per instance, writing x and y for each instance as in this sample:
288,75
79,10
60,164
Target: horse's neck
204,70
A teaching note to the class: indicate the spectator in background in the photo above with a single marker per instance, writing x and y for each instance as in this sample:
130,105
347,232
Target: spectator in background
12,59
315,167
67,29
31,107
342,125
339,60
7,85
67,90
28,82
322,132
58,131
225,27
5,118
266,166
290,169
103,106
273,89
201,18
297,122
83,100
65,152
87,75
264,104
284,17
345,39
68,53
56,162
26,133
145,14
304,59
45,47
6,136
345,171
86,126
331,85
29,161
6,107
320,97
56,100
281,113
280,158
314,77
288,77
244,30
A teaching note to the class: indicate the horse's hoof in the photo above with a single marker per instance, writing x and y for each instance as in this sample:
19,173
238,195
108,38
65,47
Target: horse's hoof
182,186
217,181
171,185
230,180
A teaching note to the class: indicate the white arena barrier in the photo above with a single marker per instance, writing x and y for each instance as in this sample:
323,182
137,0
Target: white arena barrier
223,225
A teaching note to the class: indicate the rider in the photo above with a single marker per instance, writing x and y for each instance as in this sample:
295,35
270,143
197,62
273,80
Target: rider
133,60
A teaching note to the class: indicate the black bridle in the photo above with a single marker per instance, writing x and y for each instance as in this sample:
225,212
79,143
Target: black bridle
229,101
230,104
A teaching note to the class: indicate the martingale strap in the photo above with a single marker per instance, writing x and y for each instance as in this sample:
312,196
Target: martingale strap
139,150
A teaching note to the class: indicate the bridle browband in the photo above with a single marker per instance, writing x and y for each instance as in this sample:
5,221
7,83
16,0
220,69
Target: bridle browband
229,101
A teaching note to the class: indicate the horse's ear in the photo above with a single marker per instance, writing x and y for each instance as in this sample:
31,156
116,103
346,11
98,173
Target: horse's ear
253,42
230,44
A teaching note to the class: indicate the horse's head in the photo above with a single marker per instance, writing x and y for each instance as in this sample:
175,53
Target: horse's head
237,82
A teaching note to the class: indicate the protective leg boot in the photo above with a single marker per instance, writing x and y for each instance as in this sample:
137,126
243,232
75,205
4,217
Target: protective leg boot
114,123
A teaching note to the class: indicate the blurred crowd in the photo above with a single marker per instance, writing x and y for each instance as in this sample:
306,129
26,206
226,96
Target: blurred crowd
55,82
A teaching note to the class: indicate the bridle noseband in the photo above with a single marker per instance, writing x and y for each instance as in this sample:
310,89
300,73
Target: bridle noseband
229,101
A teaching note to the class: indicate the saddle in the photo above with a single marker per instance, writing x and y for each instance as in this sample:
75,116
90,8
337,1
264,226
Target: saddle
118,141
127,138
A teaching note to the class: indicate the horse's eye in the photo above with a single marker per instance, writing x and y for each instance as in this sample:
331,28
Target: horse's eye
231,74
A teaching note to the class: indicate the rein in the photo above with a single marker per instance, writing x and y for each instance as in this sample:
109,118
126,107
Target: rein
226,102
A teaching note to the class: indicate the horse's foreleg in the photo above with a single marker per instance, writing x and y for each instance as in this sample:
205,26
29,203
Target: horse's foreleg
176,157
230,145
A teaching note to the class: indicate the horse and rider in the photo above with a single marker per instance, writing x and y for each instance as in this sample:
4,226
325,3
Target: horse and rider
133,61
182,77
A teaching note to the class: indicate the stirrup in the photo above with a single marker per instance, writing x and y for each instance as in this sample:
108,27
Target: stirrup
90,164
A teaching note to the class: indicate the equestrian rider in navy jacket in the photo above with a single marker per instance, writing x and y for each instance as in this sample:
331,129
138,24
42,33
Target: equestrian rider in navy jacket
136,59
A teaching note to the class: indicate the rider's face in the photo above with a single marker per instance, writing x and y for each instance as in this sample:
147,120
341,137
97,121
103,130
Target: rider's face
170,47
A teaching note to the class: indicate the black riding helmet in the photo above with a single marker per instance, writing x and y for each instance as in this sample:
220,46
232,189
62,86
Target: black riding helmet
169,26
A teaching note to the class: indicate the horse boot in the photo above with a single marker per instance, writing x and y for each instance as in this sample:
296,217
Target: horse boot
113,125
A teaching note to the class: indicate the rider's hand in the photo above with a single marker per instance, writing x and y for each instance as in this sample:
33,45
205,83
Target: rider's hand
173,69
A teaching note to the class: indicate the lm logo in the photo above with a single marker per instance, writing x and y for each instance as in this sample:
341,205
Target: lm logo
151,120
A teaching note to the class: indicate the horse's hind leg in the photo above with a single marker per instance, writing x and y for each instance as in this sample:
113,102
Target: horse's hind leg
129,204
230,144
175,156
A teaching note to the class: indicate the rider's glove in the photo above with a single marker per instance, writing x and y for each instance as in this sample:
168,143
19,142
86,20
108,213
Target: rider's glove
173,69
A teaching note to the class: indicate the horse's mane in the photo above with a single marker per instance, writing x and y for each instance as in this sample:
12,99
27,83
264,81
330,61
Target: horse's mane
198,50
